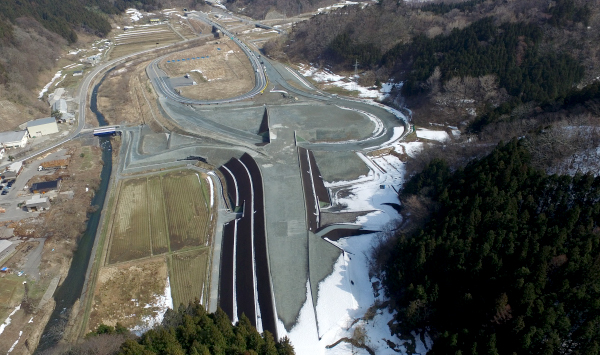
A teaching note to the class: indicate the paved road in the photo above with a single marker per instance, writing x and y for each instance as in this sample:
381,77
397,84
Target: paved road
164,86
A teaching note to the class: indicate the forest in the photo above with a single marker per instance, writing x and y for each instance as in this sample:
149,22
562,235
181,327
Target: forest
188,330
509,262
65,16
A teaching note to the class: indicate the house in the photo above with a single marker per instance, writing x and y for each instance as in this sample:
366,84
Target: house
37,203
78,73
43,187
16,139
154,20
42,127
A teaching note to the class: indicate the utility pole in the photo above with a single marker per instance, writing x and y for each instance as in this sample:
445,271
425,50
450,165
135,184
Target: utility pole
355,75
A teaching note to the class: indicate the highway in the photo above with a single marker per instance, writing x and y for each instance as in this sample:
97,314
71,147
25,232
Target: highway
163,85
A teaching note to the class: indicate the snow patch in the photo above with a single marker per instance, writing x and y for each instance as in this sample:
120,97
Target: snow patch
134,14
162,303
56,76
440,136
15,343
8,320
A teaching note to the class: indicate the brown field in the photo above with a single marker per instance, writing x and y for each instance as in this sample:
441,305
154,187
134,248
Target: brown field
123,291
159,214
158,219
130,235
189,276
227,72
187,210
183,27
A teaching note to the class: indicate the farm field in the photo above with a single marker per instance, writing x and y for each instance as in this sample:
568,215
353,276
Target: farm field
158,214
188,213
141,38
130,233
189,272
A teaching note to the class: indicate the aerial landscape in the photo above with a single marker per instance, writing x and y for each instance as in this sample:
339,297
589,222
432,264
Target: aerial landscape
300,177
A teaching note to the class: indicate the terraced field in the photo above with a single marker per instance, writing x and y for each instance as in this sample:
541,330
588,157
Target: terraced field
141,38
188,274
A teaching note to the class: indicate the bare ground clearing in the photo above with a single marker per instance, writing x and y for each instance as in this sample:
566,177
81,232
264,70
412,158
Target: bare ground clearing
123,292
224,66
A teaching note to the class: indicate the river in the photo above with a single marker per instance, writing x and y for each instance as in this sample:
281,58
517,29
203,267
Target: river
70,290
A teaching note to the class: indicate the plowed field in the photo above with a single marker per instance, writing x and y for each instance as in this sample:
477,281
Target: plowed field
189,272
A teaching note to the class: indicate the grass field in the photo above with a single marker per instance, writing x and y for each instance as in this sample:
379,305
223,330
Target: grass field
159,214
11,292
188,272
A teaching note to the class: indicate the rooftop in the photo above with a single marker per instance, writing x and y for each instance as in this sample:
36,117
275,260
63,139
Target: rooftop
45,185
12,136
40,122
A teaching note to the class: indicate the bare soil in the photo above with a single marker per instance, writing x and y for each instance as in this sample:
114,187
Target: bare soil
144,280
225,69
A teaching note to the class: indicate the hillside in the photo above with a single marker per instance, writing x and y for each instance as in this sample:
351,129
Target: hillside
459,61
261,9
35,34
507,265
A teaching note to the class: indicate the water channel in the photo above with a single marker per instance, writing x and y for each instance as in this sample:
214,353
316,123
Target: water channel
70,290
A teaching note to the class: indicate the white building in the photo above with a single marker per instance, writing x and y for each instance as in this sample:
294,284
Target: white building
13,139
60,106
42,127
2,151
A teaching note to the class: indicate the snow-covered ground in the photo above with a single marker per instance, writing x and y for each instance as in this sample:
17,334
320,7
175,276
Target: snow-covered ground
440,136
161,303
47,86
348,83
345,296
134,14
8,319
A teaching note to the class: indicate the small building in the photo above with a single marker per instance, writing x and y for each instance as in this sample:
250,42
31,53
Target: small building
43,187
60,105
42,127
54,164
15,167
93,60
154,20
37,203
78,73
16,139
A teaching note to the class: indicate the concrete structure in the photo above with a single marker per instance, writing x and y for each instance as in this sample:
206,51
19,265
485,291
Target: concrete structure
42,127
37,203
15,167
43,187
16,139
